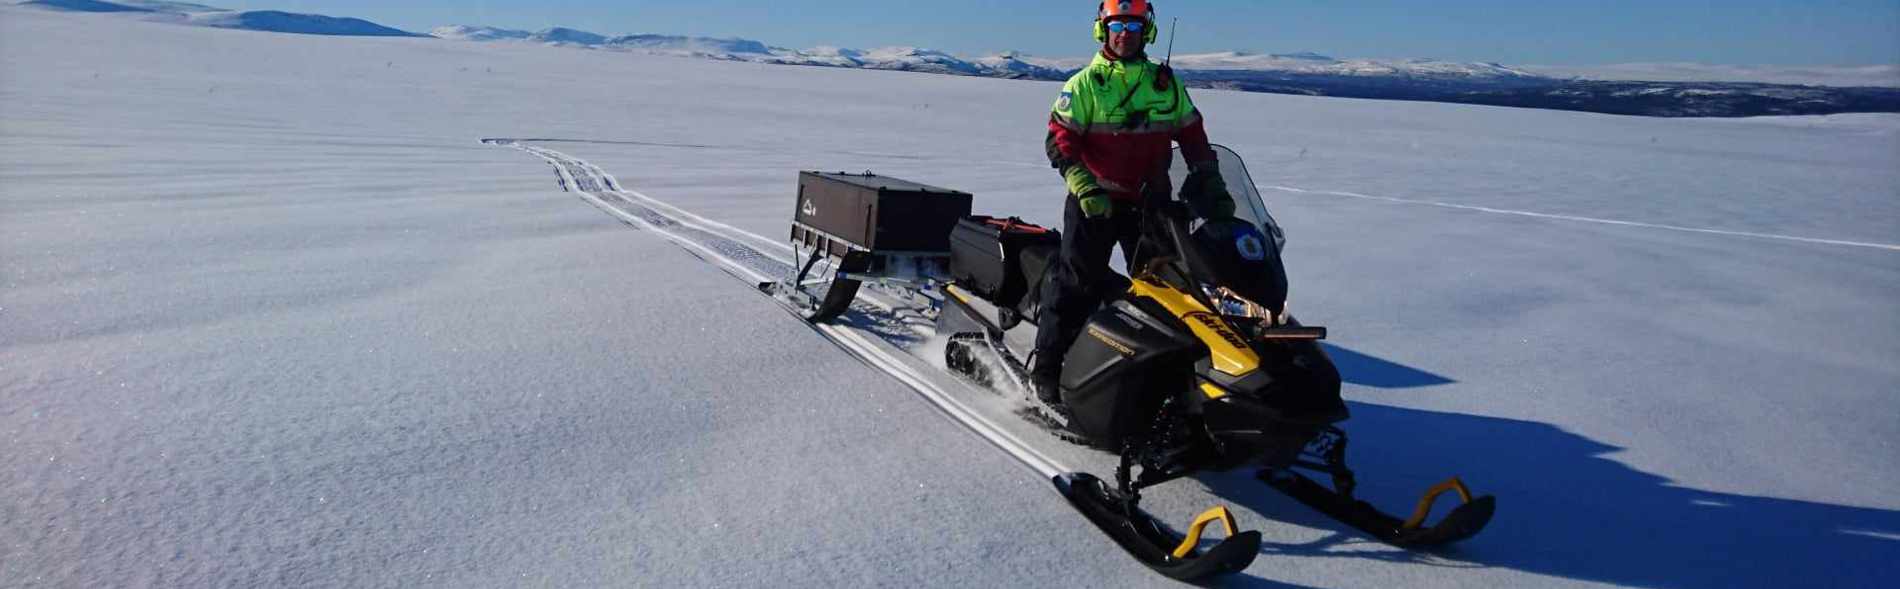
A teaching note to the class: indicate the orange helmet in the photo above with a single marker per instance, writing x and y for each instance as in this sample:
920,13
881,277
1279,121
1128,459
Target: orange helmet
1142,9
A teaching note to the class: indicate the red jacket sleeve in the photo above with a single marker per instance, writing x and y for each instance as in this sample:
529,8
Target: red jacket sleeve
1063,144
1194,145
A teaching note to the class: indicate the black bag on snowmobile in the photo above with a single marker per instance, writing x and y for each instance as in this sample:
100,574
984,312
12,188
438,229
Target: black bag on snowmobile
1001,260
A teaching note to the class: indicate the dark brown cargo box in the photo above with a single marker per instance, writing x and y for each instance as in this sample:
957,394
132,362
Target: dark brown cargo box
877,213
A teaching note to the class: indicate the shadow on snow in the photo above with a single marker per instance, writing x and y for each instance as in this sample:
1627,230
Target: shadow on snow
1369,371
1566,509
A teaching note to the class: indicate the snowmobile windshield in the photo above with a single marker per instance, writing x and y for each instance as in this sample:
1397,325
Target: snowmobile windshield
1234,255
1247,204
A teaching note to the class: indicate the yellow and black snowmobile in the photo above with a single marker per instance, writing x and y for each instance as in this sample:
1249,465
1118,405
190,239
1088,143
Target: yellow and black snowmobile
1193,362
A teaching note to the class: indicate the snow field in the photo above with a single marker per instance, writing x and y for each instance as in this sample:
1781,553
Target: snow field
273,316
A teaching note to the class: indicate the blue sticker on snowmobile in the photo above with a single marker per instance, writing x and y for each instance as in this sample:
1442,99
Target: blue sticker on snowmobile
1250,247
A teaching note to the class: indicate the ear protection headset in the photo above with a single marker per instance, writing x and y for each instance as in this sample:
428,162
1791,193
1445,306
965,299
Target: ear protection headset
1126,7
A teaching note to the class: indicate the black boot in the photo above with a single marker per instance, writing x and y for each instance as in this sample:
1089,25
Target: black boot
1045,380
1055,414
1048,390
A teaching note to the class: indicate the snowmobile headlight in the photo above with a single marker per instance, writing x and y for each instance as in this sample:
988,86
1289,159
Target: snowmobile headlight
1230,304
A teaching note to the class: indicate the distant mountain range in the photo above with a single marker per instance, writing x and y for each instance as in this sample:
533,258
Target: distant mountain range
1300,73
1009,64
1841,76
84,6
252,20
290,22
1697,94
1640,98
1002,65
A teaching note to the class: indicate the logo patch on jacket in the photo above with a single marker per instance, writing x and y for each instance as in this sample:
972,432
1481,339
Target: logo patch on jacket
1062,103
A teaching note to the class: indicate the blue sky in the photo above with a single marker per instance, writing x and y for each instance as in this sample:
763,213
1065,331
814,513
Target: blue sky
1765,32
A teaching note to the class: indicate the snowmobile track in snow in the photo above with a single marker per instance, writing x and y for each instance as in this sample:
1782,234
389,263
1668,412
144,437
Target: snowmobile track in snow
744,255
1582,219
637,209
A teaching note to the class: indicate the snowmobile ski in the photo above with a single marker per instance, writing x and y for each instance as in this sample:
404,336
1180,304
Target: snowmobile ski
1173,555
1463,522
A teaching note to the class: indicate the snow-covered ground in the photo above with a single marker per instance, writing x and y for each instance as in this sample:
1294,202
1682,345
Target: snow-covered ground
272,315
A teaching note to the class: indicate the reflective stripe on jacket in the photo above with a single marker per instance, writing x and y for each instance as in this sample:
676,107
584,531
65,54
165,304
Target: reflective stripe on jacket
1114,124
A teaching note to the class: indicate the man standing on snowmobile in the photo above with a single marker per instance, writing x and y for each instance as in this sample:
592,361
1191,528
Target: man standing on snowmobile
1110,135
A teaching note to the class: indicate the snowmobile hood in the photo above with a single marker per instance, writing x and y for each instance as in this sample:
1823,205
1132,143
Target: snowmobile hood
1227,349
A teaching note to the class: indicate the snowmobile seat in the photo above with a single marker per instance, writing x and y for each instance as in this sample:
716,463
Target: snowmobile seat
987,255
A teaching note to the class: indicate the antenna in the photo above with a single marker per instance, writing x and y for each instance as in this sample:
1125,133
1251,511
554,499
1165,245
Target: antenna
1172,27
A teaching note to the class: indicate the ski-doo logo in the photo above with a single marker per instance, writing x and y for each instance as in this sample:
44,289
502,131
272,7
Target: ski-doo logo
1214,324
809,209
1250,247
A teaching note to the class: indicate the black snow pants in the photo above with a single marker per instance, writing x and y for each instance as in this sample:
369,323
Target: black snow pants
1081,279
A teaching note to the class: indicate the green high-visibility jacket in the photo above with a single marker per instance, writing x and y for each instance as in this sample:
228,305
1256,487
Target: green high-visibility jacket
1113,127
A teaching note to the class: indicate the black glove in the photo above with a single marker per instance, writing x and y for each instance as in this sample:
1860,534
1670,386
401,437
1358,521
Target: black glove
1207,193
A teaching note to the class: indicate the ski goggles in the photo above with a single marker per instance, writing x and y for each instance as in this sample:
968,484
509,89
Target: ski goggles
1129,26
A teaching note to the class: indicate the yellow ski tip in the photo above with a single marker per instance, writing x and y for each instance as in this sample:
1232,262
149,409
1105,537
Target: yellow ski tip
1219,512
